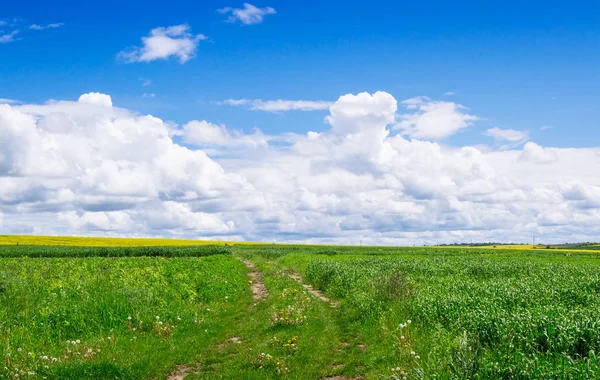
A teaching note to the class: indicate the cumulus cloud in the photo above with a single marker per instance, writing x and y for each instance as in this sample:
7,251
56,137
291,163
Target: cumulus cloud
279,105
88,167
44,27
532,152
8,37
248,15
433,120
97,99
163,43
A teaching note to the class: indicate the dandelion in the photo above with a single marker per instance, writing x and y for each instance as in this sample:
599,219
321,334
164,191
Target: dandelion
129,318
78,341
157,317
89,351
19,349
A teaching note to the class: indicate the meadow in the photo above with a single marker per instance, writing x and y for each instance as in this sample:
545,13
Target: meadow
136,312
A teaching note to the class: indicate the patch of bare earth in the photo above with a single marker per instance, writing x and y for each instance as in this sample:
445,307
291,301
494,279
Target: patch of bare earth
180,374
296,277
234,339
259,290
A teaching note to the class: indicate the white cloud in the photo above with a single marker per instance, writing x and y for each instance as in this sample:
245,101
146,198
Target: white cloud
532,152
545,127
279,105
97,99
44,27
449,93
248,15
511,136
148,95
204,133
86,168
8,101
145,82
163,43
8,37
434,120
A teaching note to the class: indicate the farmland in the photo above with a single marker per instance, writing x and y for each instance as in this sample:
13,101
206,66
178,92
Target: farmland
371,312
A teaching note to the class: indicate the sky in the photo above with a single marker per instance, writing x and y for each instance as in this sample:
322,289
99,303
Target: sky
326,122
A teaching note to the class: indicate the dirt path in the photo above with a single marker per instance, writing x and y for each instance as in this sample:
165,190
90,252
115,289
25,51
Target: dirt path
259,290
296,277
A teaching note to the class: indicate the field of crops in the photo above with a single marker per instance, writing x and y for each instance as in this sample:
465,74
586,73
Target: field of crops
145,312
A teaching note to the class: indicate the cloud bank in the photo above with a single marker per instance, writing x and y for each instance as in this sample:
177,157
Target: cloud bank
374,173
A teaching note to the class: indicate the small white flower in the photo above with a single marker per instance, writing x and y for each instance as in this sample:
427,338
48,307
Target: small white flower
78,341
19,349
129,318
157,317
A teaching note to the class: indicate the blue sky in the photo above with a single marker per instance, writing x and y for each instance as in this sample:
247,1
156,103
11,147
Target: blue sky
330,122
515,65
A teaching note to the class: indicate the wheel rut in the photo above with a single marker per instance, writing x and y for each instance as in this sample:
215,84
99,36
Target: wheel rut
259,290
317,293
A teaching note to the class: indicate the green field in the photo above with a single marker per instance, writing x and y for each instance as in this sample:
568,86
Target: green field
393,313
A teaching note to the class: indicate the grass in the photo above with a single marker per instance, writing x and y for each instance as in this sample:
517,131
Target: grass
403,312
